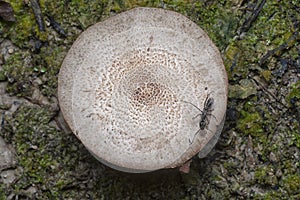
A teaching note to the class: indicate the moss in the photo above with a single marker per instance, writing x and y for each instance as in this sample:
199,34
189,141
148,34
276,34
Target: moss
265,176
47,67
43,152
19,73
295,138
292,184
231,167
220,24
242,90
2,75
25,26
4,106
2,193
293,98
214,193
243,55
270,195
266,74
191,179
83,13
22,69
251,123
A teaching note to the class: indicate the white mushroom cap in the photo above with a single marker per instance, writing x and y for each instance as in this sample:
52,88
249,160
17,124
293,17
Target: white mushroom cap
123,84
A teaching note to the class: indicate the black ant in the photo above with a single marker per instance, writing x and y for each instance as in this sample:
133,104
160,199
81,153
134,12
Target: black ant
208,103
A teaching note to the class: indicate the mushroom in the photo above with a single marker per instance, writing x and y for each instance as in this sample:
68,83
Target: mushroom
132,88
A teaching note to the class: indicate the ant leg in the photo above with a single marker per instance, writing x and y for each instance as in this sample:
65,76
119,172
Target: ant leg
210,114
196,116
191,141
193,105
213,116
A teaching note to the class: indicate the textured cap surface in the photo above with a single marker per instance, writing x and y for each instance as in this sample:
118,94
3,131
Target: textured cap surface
124,84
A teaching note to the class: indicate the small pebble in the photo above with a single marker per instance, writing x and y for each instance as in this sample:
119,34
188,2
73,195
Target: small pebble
278,173
10,51
273,157
37,82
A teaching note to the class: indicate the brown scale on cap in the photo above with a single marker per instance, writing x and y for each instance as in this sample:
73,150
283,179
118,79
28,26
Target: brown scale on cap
147,94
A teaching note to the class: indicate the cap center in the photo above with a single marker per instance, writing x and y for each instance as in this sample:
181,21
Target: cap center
147,93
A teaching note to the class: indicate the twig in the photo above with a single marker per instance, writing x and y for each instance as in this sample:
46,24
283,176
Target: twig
278,51
266,91
35,5
248,22
56,26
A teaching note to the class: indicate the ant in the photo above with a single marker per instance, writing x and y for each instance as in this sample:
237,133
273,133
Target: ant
208,103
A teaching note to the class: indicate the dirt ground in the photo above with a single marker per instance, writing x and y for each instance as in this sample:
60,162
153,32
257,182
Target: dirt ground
256,157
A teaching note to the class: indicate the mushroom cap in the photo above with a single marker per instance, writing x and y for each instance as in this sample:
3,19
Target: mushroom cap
124,85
